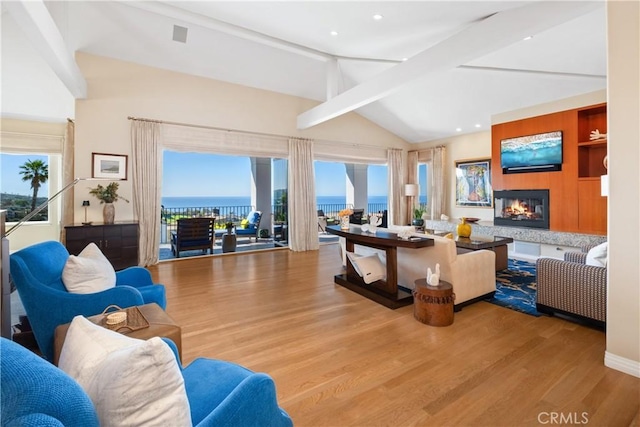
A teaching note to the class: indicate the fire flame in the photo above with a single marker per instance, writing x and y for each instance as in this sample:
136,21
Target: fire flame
517,208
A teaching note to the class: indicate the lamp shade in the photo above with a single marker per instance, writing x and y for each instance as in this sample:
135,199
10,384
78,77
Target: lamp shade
85,203
411,189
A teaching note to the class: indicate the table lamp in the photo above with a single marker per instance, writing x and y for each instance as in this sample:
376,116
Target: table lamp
85,205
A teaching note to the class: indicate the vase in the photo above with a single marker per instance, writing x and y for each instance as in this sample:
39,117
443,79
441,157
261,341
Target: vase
344,223
108,213
463,229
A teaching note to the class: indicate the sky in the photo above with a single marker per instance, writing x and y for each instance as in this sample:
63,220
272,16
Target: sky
197,174
10,179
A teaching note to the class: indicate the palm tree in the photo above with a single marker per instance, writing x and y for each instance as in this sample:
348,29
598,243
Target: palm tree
37,172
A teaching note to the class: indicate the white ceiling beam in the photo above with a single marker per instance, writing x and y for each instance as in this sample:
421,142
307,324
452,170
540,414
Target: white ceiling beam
332,78
486,36
174,12
36,22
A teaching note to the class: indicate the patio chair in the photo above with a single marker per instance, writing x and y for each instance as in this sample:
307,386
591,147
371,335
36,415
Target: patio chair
192,234
250,226
322,221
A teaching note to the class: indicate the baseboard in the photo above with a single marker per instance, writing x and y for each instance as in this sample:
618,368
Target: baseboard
628,366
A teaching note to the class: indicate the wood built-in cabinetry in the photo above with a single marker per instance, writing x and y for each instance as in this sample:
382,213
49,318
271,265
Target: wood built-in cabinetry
576,204
592,206
118,242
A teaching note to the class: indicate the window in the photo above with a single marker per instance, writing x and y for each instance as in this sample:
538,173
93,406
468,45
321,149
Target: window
424,180
25,184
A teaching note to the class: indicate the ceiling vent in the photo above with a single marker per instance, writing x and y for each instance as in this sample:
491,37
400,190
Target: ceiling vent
180,34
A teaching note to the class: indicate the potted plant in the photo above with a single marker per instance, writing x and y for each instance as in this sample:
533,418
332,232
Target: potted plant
229,240
229,227
107,195
417,217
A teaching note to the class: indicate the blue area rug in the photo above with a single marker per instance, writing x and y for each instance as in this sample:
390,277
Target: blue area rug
516,287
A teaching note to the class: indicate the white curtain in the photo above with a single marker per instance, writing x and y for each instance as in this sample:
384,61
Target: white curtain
412,178
394,165
146,166
438,195
303,218
216,141
67,177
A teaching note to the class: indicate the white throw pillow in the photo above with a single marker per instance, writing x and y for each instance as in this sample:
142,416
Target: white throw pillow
89,272
598,255
130,381
370,268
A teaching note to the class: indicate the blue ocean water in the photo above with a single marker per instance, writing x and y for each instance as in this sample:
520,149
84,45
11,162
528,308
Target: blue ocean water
205,201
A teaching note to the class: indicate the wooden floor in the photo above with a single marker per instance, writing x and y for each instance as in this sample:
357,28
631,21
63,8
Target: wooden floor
339,359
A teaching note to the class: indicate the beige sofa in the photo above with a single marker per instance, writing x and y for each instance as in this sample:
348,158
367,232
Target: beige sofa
471,274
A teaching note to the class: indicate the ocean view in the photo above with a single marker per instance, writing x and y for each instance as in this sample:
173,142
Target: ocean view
203,201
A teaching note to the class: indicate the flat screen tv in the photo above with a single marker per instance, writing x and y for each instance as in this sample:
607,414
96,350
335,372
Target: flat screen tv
532,153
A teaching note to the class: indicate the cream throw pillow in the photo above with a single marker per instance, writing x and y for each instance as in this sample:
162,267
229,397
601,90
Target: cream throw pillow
598,255
130,382
89,272
370,268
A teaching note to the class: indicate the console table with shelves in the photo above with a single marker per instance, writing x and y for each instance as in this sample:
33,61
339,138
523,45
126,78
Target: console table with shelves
118,241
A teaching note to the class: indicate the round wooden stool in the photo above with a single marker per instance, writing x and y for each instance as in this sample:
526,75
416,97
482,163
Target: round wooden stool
433,305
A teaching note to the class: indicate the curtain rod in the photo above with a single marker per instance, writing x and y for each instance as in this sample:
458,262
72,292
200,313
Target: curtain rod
270,135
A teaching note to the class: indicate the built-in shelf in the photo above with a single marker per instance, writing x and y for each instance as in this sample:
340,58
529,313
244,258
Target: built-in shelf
591,154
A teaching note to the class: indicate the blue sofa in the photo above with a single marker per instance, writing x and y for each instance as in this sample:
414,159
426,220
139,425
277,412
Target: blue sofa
36,393
37,273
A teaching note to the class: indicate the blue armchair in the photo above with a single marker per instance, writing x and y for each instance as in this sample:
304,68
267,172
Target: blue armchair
37,273
36,393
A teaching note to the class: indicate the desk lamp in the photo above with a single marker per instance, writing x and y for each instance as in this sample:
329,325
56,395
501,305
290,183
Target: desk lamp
86,204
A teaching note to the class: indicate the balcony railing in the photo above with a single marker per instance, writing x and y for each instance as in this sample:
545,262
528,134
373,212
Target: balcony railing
235,214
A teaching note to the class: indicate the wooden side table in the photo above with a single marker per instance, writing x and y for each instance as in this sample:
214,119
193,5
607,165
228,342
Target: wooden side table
433,305
160,325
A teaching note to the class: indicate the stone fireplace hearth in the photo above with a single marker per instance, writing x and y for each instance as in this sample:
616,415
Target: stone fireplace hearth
521,208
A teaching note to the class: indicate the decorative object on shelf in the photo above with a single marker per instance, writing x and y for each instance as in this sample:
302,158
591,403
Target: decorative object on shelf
433,278
473,183
405,233
595,134
605,162
110,166
344,218
85,205
375,219
463,229
107,195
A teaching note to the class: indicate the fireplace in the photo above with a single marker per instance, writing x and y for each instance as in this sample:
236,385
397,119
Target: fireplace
521,208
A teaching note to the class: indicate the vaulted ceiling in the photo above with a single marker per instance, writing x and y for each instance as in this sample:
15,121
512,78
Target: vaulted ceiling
425,70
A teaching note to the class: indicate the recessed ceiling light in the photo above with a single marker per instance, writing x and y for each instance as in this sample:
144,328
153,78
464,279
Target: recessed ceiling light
377,17
404,59
478,125
528,38
458,129
334,33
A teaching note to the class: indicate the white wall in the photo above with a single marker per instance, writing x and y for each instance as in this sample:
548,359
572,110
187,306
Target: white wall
118,89
464,147
623,87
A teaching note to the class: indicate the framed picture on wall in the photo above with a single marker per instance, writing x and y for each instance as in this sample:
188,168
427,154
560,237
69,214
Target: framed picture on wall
473,183
113,166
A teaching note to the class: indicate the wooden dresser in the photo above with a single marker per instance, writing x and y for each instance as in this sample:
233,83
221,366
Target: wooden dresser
118,242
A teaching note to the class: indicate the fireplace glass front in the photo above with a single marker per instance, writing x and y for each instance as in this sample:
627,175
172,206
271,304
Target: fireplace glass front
521,208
